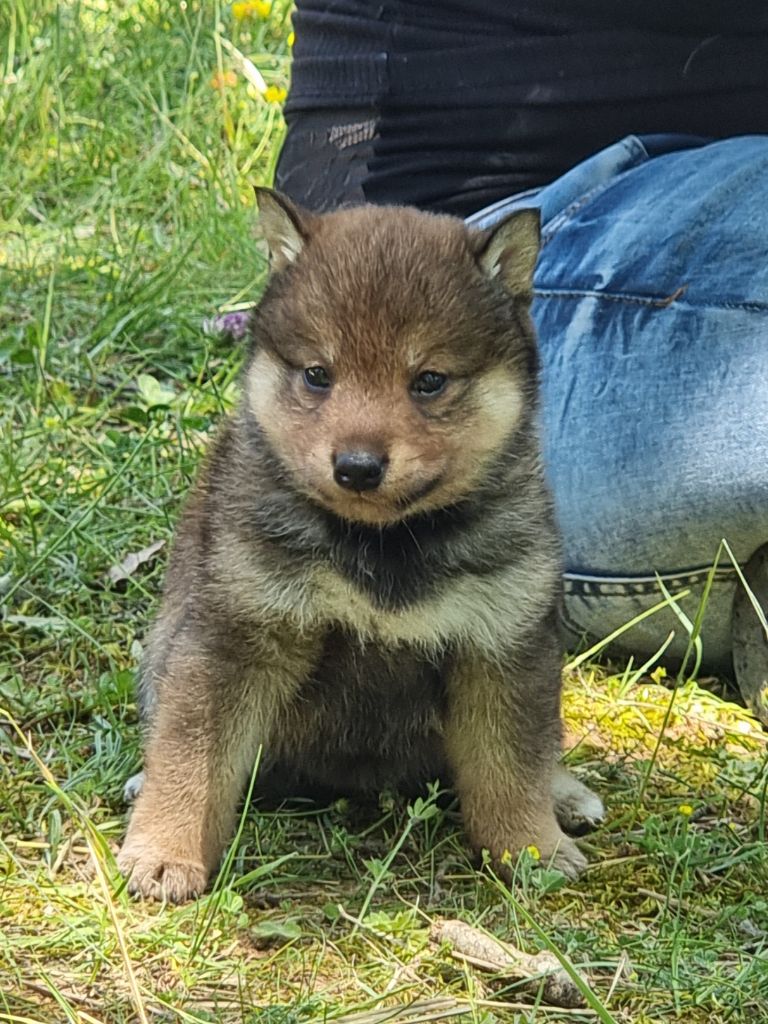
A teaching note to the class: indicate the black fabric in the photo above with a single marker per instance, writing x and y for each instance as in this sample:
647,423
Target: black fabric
466,102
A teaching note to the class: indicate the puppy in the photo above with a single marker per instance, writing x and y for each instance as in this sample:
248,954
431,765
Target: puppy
365,579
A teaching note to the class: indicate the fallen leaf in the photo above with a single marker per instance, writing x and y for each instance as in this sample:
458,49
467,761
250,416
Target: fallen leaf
123,571
268,934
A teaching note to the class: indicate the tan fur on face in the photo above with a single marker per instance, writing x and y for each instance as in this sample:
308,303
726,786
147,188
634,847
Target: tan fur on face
374,347
305,435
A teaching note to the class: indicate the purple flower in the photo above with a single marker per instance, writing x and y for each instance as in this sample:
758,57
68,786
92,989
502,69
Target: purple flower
232,325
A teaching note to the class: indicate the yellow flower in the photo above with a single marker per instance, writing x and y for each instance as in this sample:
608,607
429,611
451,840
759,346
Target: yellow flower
534,852
506,857
249,8
275,94
686,810
291,38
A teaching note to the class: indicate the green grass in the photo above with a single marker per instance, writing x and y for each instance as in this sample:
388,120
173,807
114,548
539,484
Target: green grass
127,219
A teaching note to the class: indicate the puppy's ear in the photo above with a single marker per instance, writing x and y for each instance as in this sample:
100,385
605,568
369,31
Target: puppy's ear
509,251
285,225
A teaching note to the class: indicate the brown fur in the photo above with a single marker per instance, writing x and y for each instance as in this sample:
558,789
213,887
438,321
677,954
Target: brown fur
376,638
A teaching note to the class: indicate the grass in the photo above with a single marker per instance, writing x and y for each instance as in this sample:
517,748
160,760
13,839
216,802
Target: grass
131,137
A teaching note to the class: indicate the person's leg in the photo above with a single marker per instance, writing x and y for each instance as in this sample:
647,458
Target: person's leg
652,313
324,160
443,161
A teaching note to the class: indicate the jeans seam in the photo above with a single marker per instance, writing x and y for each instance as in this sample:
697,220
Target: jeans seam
615,586
662,302
624,299
639,156
564,216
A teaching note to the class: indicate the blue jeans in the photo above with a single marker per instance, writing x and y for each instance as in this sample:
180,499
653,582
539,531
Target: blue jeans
651,306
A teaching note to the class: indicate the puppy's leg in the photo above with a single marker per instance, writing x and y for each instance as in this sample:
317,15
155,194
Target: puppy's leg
502,737
211,713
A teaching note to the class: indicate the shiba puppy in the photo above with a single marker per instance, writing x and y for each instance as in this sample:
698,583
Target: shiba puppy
365,579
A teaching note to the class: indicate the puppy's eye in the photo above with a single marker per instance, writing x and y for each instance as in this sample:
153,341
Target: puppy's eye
428,383
316,378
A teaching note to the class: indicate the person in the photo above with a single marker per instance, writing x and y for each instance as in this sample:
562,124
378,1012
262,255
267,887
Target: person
641,133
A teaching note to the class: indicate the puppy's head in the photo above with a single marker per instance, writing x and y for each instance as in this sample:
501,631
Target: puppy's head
393,356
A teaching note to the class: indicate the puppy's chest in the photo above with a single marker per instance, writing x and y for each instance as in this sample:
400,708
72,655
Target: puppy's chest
423,623
391,573
373,675
448,608
363,696
481,611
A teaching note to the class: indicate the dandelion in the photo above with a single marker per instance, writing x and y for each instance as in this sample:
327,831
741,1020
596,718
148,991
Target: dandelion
275,94
252,8
291,39
223,80
506,857
533,852
686,810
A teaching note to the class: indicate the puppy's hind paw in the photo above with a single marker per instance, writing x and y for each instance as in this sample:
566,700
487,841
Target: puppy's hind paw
133,787
578,809
569,859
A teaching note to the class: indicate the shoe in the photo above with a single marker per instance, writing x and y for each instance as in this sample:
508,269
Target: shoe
749,636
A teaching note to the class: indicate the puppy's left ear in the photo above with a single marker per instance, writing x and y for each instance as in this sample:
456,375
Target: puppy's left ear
285,225
509,251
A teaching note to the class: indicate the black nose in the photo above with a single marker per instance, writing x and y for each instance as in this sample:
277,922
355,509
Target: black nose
358,471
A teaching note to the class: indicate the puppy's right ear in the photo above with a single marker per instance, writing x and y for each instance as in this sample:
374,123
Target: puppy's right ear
285,225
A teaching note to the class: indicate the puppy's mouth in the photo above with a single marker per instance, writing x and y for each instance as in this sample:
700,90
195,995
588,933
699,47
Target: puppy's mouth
377,506
421,492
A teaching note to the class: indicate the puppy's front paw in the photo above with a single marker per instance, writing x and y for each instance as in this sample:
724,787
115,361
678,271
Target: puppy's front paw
554,848
154,873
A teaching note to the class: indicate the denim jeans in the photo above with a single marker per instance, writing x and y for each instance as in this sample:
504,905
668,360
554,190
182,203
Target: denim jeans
651,304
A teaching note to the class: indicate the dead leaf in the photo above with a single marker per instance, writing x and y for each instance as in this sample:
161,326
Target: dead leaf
123,571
